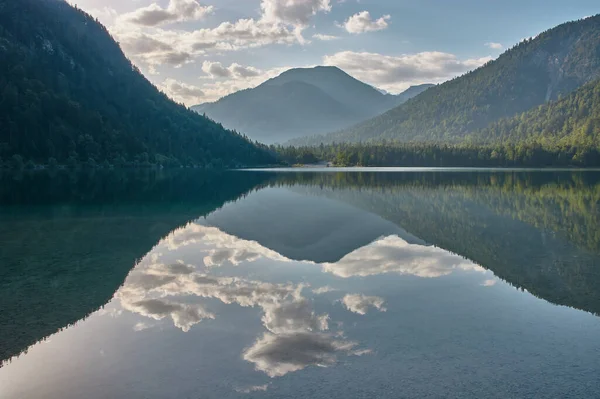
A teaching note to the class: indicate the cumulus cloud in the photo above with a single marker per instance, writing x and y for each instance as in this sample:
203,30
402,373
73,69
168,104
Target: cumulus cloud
362,22
394,255
358,303
280,22
217,70
293,316
396,73
184,316
495,46
319,36
182,92
224,248
106,15
293,12
176,11
277,355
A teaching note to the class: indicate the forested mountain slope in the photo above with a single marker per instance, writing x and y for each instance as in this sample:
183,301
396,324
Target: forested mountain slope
571,121
301,102
67,92
535,71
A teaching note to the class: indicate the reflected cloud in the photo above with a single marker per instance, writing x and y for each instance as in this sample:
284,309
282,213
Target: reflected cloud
141,326
394,255
253,388
184,316
277,355
489,283
358,303
295,336
224,248
323,290
293,316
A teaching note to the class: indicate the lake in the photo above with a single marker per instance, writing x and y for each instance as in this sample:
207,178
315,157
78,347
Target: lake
456,283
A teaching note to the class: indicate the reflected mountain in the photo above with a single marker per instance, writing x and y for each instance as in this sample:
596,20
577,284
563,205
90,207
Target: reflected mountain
260,283
69,240
197,263
537,231
302,227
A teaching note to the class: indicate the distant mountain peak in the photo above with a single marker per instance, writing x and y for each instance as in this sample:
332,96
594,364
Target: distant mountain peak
300,102
549,66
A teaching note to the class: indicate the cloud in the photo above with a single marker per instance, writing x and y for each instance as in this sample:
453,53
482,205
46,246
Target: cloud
184,316
495,46
217,70
224,248
293,12
277,355
394,255
295,336
396,73
106,15
182,92
280,22
176,11
319,36
141,326
360,304
293,316
323,290
253,388
362,22
489,283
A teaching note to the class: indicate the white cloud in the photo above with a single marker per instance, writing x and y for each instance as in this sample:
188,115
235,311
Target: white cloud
319,36
293,12
396,73
360,304
394,255
280,22
217,70
362,22
106,15
182,92
176,11
495,46
323,290
184,316
489,283
277,355
253,388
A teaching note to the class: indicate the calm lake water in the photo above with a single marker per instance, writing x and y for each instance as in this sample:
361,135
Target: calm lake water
312,284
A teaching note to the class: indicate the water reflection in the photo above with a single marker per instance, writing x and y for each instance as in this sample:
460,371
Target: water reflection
295,335
321,282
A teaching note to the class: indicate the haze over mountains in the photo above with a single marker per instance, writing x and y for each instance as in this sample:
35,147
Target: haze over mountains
301,102
535,71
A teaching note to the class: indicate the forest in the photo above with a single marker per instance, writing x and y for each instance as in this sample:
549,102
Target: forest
69,96
565,132
531,73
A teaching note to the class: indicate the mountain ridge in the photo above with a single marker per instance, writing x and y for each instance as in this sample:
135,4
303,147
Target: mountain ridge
69,95
551,65
308,112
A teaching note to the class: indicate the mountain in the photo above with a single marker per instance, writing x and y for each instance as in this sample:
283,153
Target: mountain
67,92
300,102
571,121
535,71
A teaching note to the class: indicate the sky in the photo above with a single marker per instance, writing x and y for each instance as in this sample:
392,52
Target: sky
200,50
